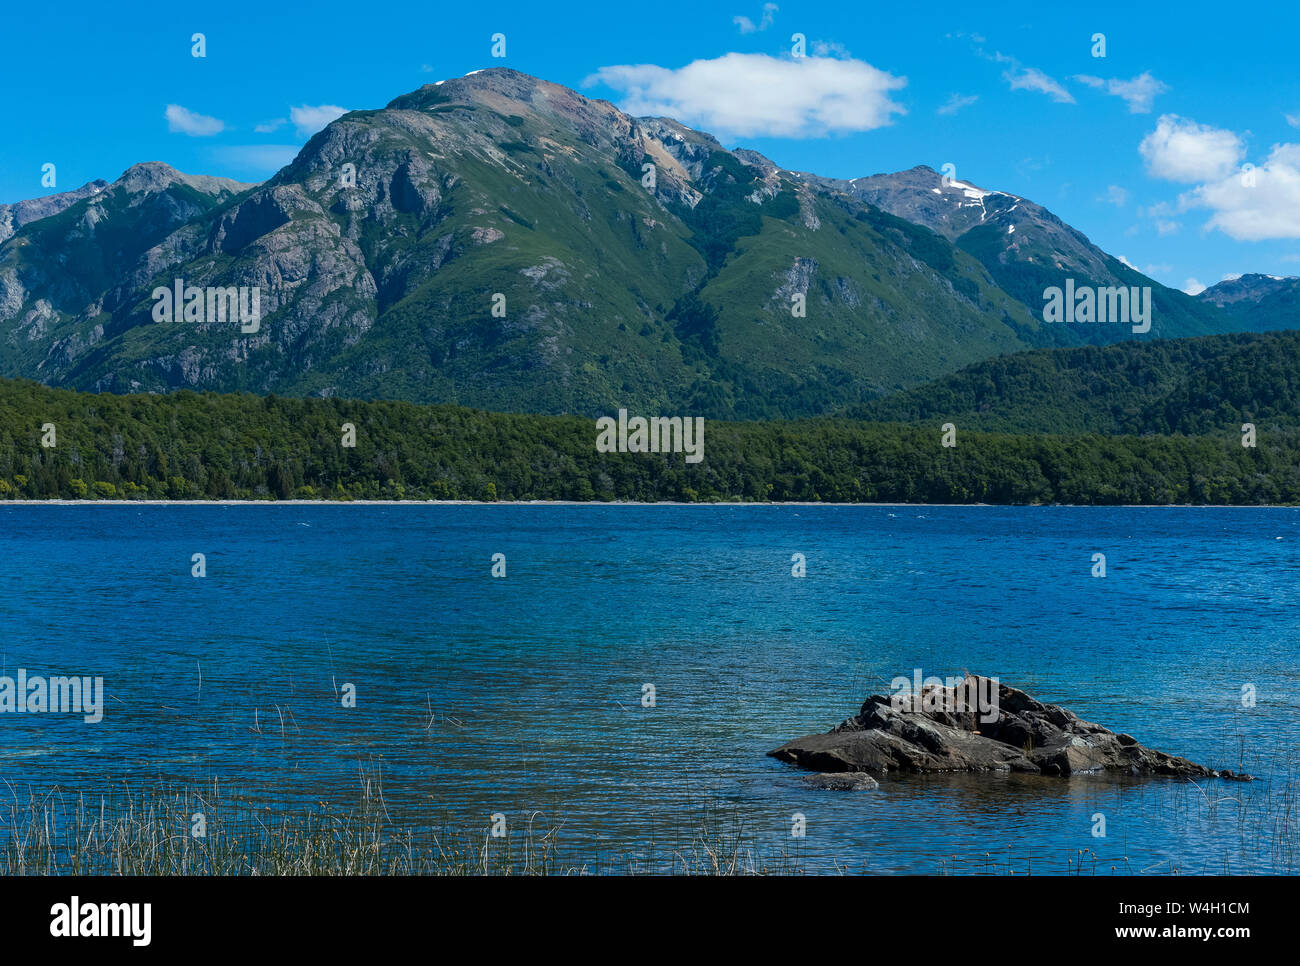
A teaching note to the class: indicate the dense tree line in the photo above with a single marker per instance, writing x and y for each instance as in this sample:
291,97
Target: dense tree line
1191,387
210,446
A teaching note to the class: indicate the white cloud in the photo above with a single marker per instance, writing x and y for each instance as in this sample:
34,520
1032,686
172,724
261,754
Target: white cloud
754,94
1033,79
748,26
268,126
308,120
1161,209
1182,150
1021,78
1116,196
181,120
1138,92
1193,287
830,48
1257,205
1292,119
957,102
1167,228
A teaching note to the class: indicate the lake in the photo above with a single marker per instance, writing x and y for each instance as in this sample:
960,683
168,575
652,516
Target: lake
523,695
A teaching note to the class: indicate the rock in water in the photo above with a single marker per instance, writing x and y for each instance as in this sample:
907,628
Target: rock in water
843,781
938,734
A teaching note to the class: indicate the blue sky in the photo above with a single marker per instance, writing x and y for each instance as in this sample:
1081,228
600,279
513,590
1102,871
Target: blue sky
1142,150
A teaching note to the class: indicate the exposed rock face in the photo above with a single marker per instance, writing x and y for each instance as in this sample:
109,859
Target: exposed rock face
1263,302
1018,240
1025,736
377,252
1251,287
13,217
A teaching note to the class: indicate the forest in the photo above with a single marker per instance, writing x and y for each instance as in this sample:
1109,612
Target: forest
60,444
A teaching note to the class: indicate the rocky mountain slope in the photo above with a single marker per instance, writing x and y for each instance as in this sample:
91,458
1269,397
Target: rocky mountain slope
1027,248
496,241
13,217
1258,302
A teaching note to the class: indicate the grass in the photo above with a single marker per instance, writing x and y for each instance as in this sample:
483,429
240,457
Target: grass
152,833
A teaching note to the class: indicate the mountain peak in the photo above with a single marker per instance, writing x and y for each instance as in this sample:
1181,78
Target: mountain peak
14,216
1251,287
944,204
924,176
154,176
488,82
375,252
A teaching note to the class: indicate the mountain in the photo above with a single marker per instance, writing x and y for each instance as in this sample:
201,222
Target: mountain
1027,248
13,217
68,281
497,182
1251,289
1198,386
1257,302
946,206
380,253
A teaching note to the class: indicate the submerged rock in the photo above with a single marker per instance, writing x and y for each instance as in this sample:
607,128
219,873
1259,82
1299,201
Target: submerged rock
937,734
843,781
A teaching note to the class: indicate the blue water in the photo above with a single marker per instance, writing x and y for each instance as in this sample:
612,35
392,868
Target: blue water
535,681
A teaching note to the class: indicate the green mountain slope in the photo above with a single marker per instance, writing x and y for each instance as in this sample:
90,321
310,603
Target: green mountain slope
494,241
1027,248
498,184
68,280
13,217
1196,386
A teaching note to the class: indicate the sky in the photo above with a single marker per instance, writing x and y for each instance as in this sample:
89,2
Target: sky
1178,150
